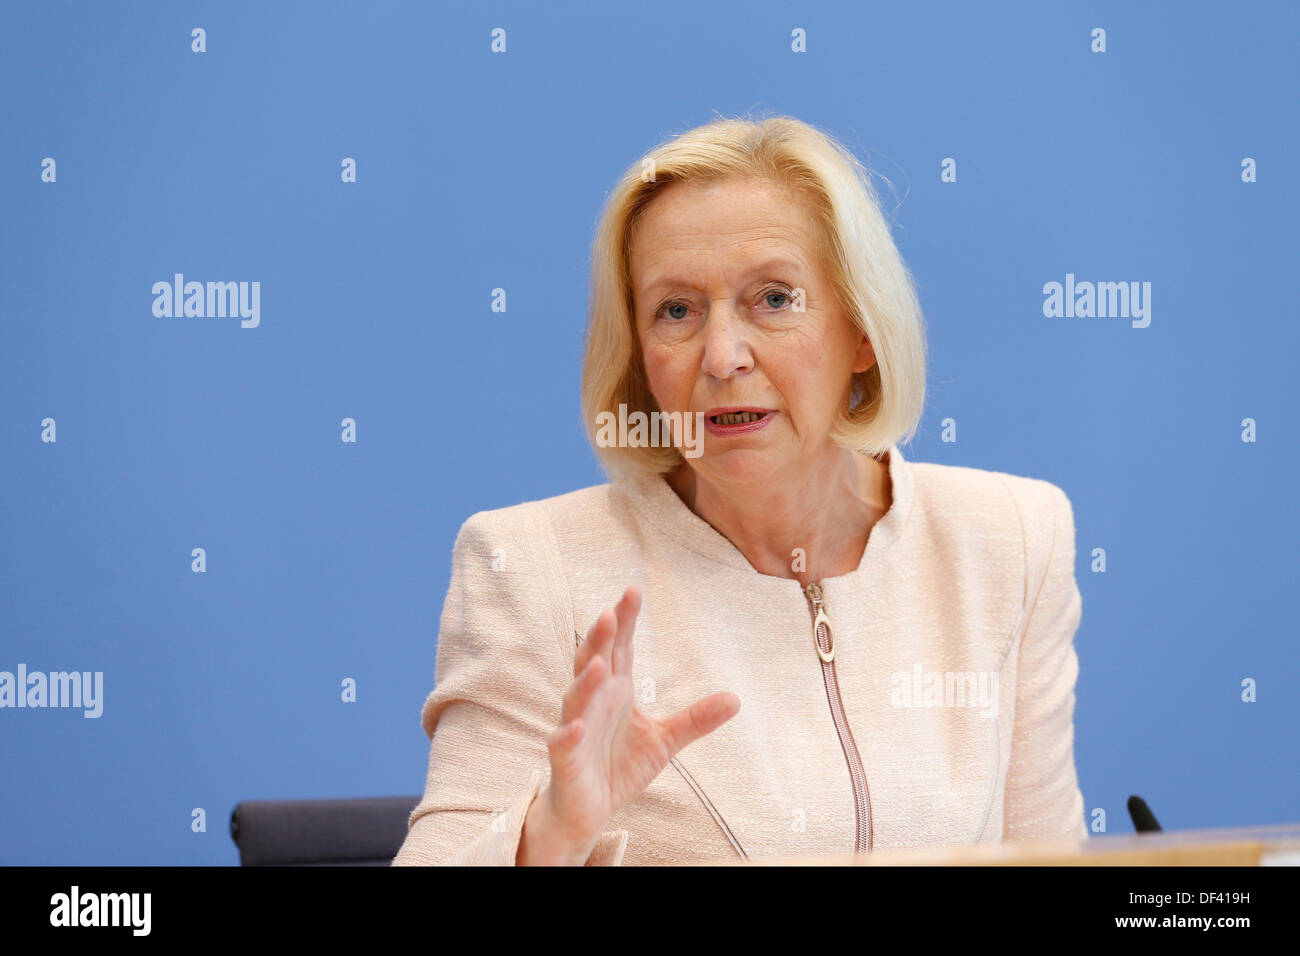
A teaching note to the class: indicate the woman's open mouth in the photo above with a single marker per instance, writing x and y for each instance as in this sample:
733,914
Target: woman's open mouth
736,421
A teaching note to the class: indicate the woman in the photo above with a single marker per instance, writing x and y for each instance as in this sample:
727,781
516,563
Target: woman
836,650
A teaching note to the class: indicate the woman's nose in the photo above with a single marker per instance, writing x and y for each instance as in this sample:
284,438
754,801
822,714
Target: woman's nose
726,345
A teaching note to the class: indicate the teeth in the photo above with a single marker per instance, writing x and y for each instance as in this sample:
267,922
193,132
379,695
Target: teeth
737,418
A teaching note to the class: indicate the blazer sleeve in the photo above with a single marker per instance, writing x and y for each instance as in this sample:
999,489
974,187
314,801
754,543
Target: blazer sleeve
1042,798
504,660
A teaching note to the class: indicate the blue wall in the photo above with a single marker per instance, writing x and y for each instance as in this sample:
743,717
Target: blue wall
328,560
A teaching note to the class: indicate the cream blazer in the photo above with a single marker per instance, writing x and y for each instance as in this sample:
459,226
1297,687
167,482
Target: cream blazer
925,698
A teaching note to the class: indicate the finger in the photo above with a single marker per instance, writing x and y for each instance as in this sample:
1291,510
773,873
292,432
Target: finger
601,629
627,610
702,717
583,689
563,743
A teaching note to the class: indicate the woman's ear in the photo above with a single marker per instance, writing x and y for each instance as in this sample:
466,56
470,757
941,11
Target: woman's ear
866,356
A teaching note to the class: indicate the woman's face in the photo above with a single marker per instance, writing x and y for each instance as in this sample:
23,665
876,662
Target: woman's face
715,268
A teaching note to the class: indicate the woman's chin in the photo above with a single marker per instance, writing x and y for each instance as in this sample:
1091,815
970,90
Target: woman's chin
737,465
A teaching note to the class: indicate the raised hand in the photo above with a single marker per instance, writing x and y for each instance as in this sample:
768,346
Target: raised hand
606,751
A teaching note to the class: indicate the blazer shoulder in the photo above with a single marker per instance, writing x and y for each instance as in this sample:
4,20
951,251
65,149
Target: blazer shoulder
583,506
996,505
971,487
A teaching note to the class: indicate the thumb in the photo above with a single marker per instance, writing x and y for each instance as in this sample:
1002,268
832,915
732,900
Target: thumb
702,717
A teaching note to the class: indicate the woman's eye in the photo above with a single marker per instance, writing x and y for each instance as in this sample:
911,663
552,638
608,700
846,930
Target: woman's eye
777,300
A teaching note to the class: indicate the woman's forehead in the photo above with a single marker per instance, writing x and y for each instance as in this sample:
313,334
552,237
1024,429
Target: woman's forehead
728,202
741,226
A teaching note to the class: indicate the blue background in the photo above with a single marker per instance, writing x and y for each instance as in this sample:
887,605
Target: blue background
478,170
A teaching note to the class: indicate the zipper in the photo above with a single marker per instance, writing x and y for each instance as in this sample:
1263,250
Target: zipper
824,642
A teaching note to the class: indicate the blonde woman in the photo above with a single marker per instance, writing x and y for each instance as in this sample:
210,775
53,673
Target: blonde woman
775,637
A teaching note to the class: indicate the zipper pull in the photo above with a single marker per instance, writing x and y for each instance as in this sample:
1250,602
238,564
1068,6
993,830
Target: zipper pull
814,592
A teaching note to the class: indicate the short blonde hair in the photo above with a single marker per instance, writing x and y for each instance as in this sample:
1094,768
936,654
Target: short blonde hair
868,277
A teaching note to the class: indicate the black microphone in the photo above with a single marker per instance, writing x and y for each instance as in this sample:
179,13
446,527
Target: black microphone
1144,821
